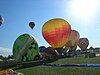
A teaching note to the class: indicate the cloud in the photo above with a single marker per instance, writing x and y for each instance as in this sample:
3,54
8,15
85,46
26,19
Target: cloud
5,51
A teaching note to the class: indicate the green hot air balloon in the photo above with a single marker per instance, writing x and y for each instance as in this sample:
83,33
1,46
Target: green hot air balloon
25,48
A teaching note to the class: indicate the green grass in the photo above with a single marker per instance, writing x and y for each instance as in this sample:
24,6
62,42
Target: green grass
47,70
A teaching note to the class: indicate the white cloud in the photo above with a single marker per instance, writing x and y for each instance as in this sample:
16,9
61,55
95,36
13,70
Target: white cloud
5,51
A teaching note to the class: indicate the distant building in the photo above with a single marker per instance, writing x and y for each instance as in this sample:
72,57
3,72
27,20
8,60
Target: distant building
1,60
97,50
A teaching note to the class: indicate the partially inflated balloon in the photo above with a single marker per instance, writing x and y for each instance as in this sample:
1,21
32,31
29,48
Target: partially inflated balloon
73,40
42,48
83,43
56,32
50,52
31,24
9,72
1,20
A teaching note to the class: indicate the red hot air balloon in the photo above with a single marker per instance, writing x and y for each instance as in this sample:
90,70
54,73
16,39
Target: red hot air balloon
83,43
73,40
56,32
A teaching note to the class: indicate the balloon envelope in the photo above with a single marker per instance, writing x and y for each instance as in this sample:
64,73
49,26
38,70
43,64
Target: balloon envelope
25,48
42,48
56,32
83,43
1,20
31,25
73,40
51,51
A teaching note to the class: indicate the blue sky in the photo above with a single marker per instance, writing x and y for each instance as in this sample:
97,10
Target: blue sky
83,15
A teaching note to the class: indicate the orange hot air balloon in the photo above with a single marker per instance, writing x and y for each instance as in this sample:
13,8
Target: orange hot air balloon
83,43
73,40
56,32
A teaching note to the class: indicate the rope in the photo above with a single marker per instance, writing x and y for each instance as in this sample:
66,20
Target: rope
73,65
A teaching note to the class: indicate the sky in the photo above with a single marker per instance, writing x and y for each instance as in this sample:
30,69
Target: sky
83,16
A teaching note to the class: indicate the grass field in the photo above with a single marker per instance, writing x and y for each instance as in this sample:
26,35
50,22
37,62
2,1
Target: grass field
47,70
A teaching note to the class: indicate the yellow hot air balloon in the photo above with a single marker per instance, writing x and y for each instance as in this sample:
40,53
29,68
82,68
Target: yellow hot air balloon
56,32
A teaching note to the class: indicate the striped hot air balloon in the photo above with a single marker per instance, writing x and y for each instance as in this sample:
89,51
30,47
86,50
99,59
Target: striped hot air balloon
56,32
73,40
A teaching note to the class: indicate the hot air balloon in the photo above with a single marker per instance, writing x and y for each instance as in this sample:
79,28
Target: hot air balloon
9,72
31,25
50,53
73,40
1,20
83,43
42,48
25,48
56,32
